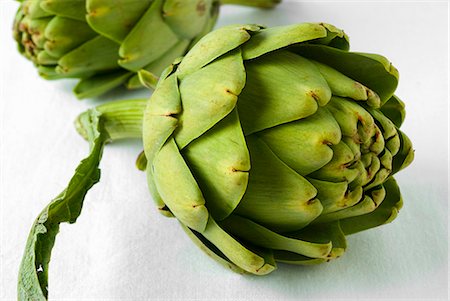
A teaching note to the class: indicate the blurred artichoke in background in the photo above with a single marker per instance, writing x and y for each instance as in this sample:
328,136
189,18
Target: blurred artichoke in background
274,144
104,42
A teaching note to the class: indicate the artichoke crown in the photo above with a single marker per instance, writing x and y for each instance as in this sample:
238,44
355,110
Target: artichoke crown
274,144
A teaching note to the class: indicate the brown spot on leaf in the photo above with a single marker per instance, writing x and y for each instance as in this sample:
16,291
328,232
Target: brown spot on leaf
228,91
23,27
201,8
311,201
170,114
314,95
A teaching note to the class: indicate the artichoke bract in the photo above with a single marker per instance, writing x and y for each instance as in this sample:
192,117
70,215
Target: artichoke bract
104,42
271,145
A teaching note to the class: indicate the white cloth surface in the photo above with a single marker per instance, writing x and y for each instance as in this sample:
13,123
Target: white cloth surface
121,248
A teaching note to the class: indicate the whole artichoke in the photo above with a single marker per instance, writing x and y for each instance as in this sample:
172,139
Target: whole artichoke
274,144
268,145
104,42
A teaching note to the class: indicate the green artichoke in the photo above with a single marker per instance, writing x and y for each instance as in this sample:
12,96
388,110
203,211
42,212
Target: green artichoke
268,145
104,42
274,144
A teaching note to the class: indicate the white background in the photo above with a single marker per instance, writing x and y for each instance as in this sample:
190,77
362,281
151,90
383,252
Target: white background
122,249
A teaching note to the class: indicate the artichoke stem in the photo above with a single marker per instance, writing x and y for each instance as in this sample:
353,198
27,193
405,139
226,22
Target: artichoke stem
121,119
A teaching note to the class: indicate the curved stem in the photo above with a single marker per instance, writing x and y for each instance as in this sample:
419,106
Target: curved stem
116,120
